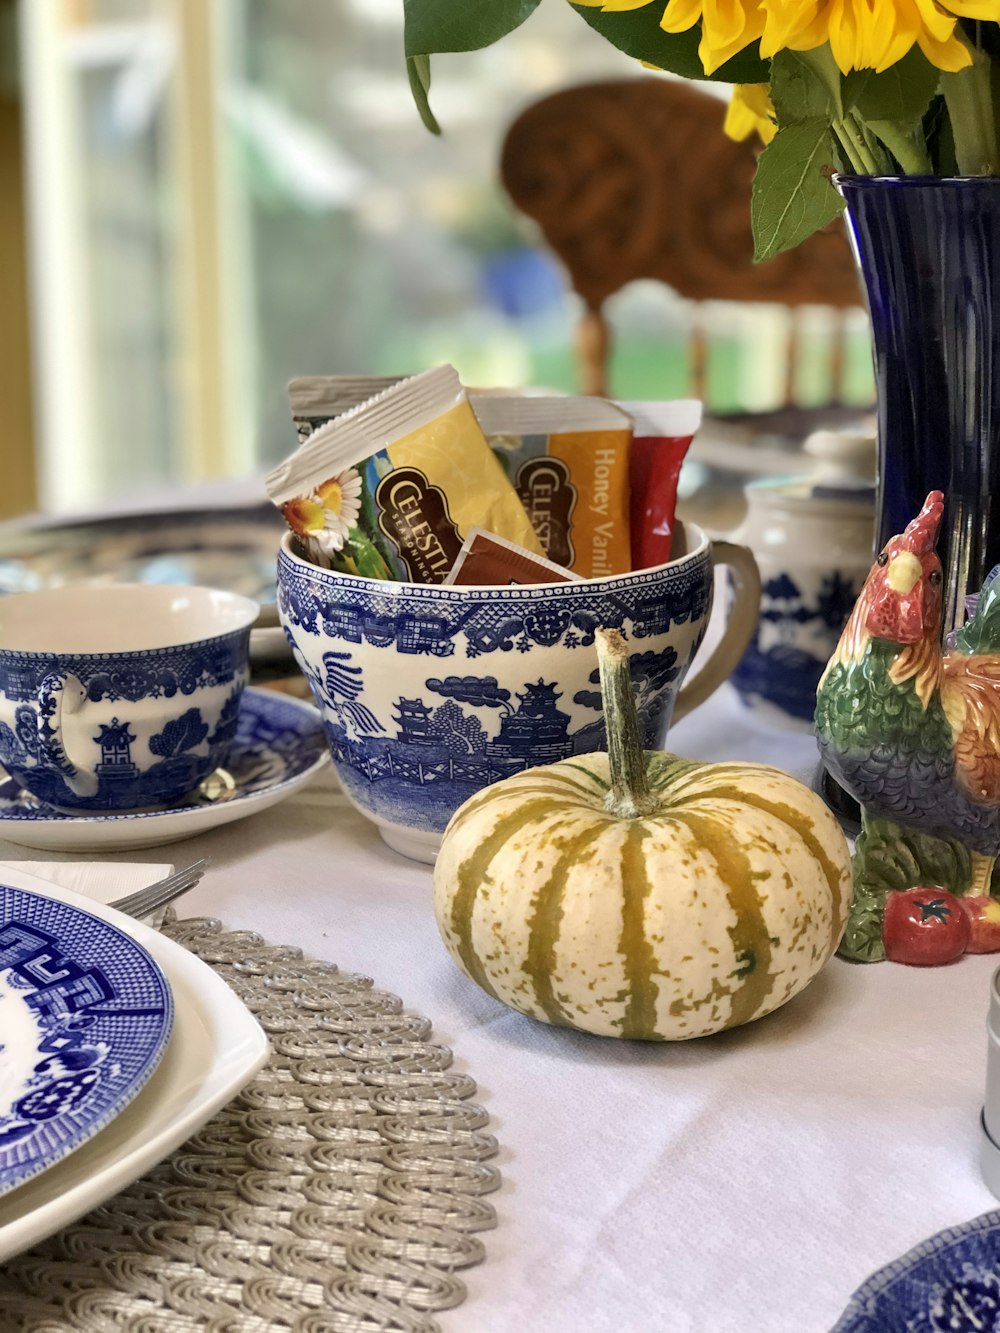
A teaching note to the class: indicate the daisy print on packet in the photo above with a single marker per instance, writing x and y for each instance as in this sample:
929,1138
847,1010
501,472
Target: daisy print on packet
325,517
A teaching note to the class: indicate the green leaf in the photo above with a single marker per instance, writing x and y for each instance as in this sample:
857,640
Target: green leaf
792,194
901,93
369,562
637,32
460,25
801,90
418,69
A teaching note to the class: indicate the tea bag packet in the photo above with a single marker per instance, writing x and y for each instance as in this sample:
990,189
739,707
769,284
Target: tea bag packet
661,435
568,460
390,489
317,399
486,559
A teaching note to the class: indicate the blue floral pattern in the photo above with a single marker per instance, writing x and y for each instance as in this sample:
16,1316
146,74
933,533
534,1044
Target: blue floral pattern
949,1284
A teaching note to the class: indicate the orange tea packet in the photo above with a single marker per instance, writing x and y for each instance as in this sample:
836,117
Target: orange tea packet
489,560
568,460
390,489
317,399
661,436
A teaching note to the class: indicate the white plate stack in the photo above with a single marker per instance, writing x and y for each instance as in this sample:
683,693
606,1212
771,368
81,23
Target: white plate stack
117,1044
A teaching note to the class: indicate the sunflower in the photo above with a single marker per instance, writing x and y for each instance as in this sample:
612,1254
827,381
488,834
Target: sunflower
727,26
874,34
327,515
750,112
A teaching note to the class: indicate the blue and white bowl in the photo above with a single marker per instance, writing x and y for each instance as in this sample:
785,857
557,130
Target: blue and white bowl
429,694
123,696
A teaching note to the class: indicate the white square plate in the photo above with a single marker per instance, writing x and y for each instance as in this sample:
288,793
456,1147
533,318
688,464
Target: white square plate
216,1048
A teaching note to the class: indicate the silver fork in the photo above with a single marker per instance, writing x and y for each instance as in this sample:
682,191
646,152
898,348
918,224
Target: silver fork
153,896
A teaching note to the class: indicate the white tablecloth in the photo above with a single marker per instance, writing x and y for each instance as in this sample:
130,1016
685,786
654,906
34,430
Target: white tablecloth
745,1182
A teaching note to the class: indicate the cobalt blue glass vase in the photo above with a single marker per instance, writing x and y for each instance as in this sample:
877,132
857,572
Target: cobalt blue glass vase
928,248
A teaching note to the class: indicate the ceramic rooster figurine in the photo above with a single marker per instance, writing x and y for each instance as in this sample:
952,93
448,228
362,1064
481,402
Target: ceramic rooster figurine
912,731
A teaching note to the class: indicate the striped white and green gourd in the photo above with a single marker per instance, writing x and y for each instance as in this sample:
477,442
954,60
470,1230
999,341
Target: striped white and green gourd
642,895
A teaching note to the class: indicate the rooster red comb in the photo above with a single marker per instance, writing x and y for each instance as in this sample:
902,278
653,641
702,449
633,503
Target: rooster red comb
921,535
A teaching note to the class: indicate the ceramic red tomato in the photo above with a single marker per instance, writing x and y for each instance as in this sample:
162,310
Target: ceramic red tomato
924,926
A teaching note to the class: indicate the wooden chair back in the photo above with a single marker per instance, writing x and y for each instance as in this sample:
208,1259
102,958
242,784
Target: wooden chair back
635,178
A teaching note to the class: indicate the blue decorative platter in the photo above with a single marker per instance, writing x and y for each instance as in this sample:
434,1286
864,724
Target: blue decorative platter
279,744
85,1016
948,1284
220,547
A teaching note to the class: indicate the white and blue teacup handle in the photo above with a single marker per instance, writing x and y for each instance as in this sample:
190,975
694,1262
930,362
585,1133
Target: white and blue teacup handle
740,626
60,696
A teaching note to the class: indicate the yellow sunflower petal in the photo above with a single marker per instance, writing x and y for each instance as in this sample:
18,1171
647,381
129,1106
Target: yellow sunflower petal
951,55
680,15
750,112
873,34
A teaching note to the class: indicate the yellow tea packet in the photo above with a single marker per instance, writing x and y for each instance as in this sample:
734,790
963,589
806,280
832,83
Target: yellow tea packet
390,489
316,399
568,459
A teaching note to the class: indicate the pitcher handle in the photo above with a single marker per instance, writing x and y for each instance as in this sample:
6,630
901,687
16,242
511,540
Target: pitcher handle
739,630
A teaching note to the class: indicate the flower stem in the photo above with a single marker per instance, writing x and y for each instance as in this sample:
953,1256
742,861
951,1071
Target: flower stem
855,147
629,796
904,148
968,96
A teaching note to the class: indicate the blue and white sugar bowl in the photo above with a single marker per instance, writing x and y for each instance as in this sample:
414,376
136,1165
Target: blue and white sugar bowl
812,537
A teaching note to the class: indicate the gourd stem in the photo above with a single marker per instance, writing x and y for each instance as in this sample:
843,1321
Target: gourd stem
629,796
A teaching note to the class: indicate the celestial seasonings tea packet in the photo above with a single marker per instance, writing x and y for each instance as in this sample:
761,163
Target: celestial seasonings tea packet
390,489
317,399
488,560
568,460
661,435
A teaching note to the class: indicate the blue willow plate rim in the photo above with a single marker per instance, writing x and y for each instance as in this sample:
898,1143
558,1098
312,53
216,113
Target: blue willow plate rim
861,1314
302,721
131,1053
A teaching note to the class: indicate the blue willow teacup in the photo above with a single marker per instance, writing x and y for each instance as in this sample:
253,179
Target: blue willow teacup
120,697
430,693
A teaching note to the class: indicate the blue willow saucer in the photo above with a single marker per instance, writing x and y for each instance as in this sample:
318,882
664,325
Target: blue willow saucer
947,1284
279,744
85,1016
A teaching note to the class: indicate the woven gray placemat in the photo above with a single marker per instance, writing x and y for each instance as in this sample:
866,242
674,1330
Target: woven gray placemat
340,1191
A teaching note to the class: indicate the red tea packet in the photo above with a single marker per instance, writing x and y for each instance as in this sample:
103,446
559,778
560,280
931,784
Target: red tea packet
661,435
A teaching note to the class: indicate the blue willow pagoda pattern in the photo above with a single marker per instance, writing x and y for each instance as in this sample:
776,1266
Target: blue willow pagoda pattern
415,761
277,740
102,1013
797,631
161,769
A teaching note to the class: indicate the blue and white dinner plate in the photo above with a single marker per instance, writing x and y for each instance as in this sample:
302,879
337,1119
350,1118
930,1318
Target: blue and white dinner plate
947,1284
279,744
85,1016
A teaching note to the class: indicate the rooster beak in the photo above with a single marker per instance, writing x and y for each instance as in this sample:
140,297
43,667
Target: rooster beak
903,573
